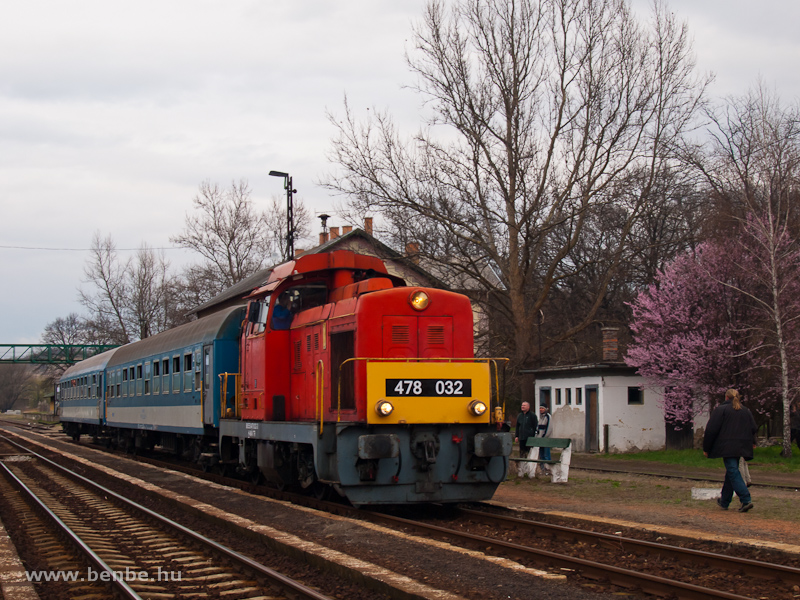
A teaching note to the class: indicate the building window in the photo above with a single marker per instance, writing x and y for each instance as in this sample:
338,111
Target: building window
635,395
578,396
558,396
568,395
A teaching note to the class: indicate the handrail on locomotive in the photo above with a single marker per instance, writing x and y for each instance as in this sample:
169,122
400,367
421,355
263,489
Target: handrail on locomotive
236,413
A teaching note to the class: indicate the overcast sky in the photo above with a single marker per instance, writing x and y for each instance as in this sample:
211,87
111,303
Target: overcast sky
112,113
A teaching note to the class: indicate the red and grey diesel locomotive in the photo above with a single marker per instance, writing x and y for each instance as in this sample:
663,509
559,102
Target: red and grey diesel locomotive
334,375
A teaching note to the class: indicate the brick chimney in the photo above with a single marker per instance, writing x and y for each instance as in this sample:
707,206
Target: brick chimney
610,344
368,225
323,237
334,232
346,229
412,252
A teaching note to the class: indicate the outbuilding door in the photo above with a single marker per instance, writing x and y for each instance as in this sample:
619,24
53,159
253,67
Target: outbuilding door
592,419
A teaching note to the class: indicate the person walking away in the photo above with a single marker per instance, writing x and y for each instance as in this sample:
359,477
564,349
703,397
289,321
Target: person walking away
730,435
544,429
526,427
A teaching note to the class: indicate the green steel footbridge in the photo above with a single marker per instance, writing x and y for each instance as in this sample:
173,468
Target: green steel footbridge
49,354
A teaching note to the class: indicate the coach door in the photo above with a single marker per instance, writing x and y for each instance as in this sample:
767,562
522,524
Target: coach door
592,420
208,389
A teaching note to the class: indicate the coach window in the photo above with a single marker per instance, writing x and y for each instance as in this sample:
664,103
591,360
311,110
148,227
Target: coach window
118,385
139,380
124,381
635,395
187,372
147,376
165,373
176,374
156,376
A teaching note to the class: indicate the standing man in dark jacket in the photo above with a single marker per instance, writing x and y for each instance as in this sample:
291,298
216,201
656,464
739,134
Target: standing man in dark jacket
526,427
730,434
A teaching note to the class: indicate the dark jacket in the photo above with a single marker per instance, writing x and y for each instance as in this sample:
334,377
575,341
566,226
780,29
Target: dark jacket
730,433
526,426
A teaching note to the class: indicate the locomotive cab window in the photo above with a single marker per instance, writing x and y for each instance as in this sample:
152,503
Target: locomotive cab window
257,316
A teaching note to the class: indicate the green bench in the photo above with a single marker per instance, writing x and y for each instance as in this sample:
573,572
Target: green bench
560,470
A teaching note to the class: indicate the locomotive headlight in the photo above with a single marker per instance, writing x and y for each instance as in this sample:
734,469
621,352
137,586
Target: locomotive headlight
477,408
419,300
384,408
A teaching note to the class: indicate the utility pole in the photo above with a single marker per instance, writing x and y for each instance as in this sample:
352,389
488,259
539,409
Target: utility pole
287,185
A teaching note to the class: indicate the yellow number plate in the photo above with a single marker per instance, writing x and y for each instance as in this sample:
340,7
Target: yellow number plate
427,392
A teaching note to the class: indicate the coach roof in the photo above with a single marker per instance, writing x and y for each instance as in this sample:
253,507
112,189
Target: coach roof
94,363
224,324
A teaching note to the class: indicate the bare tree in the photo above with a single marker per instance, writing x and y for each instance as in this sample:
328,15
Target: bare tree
16,381
126,300
275,221
106,298
72,330
753,169
542,112
234,239
67,331
149,292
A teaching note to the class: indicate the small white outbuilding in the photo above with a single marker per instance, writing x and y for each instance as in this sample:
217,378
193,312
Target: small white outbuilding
608,407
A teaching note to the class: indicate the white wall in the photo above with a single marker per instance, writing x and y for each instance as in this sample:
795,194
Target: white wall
631,427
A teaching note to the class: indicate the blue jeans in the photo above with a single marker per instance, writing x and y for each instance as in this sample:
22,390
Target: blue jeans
544,453
733,483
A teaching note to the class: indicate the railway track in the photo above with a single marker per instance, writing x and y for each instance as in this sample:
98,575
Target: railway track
99,544
629,563
626,562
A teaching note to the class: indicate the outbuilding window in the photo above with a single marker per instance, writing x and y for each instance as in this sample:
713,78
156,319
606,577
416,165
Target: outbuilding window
635,395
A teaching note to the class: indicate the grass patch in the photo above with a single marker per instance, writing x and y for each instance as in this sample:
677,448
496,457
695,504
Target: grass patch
768,459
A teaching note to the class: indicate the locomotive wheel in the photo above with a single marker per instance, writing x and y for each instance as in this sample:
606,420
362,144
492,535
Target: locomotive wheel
255,477
320,491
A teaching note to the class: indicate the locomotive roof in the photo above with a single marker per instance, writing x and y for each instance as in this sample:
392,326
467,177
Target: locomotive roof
312,263
94,363
222,324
